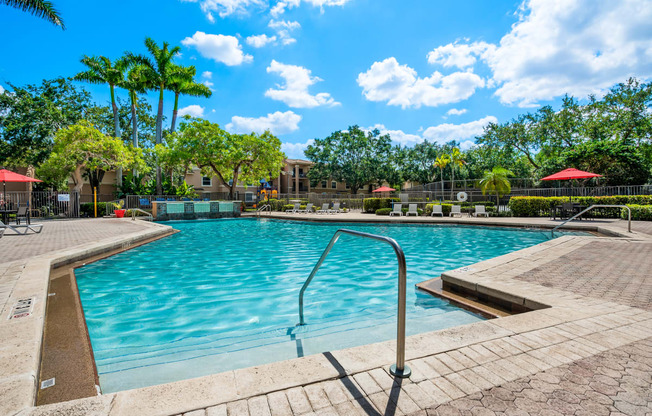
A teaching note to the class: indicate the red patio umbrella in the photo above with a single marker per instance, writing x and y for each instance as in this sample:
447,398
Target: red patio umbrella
9,176
384,189
571,173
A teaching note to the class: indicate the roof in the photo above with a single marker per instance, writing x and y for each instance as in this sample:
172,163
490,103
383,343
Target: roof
298,162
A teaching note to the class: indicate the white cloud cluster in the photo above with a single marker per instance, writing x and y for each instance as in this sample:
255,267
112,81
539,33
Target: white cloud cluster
226,7
258,41
294,91
456,112
284,29
207,77
295,150
2,90
281,6
400,85
192,110
578,47
276,123
220,48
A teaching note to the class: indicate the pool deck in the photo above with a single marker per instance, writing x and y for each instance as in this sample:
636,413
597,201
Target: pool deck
589,352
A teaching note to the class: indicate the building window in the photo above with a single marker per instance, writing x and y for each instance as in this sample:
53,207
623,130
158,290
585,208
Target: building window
348,186
323,184
206,181
333,184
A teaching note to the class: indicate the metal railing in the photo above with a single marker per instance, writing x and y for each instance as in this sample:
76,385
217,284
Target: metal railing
629,216
149,217
265,207
399,369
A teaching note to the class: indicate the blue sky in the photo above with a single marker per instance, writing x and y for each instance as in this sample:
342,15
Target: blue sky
418,69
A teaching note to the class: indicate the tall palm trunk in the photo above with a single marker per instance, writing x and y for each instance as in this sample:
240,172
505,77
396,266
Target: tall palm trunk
452,181
134,123
159,139
441,174
116,123
175,112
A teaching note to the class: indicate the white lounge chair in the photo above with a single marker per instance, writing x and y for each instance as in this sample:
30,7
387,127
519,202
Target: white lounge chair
456,210
308,209
324,208
412,209
405,198
479,210
398,209
437,210
297,208
335,209
21,229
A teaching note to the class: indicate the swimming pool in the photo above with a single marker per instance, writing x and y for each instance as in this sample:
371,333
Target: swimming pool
223,294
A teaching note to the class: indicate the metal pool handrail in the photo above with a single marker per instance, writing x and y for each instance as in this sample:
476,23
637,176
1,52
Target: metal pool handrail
150,217
399,369
629,216
265,207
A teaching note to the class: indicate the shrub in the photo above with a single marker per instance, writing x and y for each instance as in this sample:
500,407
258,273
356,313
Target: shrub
372,204
639,212
382,211
419,210
446,208
87,209
535,206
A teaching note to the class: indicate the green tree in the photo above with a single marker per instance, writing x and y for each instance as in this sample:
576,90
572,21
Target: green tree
441,162
456,159
30,116
418,162
182,82
161,68
350,156
233,158
39,8
496,181
82,150
516,134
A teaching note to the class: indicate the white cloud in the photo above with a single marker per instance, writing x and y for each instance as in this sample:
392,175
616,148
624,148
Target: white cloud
399,85
458,55
207,74
280,7
220,48
258,41
226,7
277,123
294,92
283,29
398,136
2,90
192,110
577,47
443,133
455,112
295,150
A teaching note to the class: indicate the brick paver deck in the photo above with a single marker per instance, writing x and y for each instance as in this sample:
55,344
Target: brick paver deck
619,271
61,234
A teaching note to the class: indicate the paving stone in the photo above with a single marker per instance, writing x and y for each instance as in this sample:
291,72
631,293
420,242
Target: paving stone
316,396
383,403
367,383
278,404
334,392
218,411
298,400
237,408
258,406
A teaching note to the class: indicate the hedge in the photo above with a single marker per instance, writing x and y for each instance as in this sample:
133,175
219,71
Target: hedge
291,206
372,204
537,206
446,208
639,212
87,209
382,211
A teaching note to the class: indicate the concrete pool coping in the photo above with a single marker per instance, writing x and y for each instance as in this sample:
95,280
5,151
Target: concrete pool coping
21,338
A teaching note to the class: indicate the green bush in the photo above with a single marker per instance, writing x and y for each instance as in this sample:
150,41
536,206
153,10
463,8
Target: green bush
372,204
537,206
87,209
446,208
382,211
639,212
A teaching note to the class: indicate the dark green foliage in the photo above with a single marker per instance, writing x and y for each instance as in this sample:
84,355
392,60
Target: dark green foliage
87,209
446,208
639,212
536,206
383,211
372,204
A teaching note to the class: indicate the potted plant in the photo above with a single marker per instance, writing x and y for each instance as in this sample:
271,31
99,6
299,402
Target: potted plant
118,208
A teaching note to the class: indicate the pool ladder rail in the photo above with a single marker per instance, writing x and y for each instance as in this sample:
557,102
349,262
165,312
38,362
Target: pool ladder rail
629,216
265,207
399,369
149,217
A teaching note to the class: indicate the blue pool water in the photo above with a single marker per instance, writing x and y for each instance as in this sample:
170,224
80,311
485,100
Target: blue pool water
223,294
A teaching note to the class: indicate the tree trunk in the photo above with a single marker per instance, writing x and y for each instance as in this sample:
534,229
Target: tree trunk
452,182
30,186
174,112
116,123
134,124
159,139
77,179
441,173
497,202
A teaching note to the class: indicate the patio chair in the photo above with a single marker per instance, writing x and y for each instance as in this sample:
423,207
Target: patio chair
412,209
405,198
144,203
437,210
23,212
479,210
206,199
171,200
308,209
160,199
398,209
335,209
297,208
196,199
186,199
324,208
21,229
456,210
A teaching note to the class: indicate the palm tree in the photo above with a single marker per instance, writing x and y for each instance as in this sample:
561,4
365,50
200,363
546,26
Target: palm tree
441,162
136,82
457,160
39,8
160,70
496,181
182,82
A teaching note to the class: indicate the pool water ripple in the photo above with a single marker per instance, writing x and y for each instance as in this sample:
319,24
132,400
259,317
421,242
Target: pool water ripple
223,294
